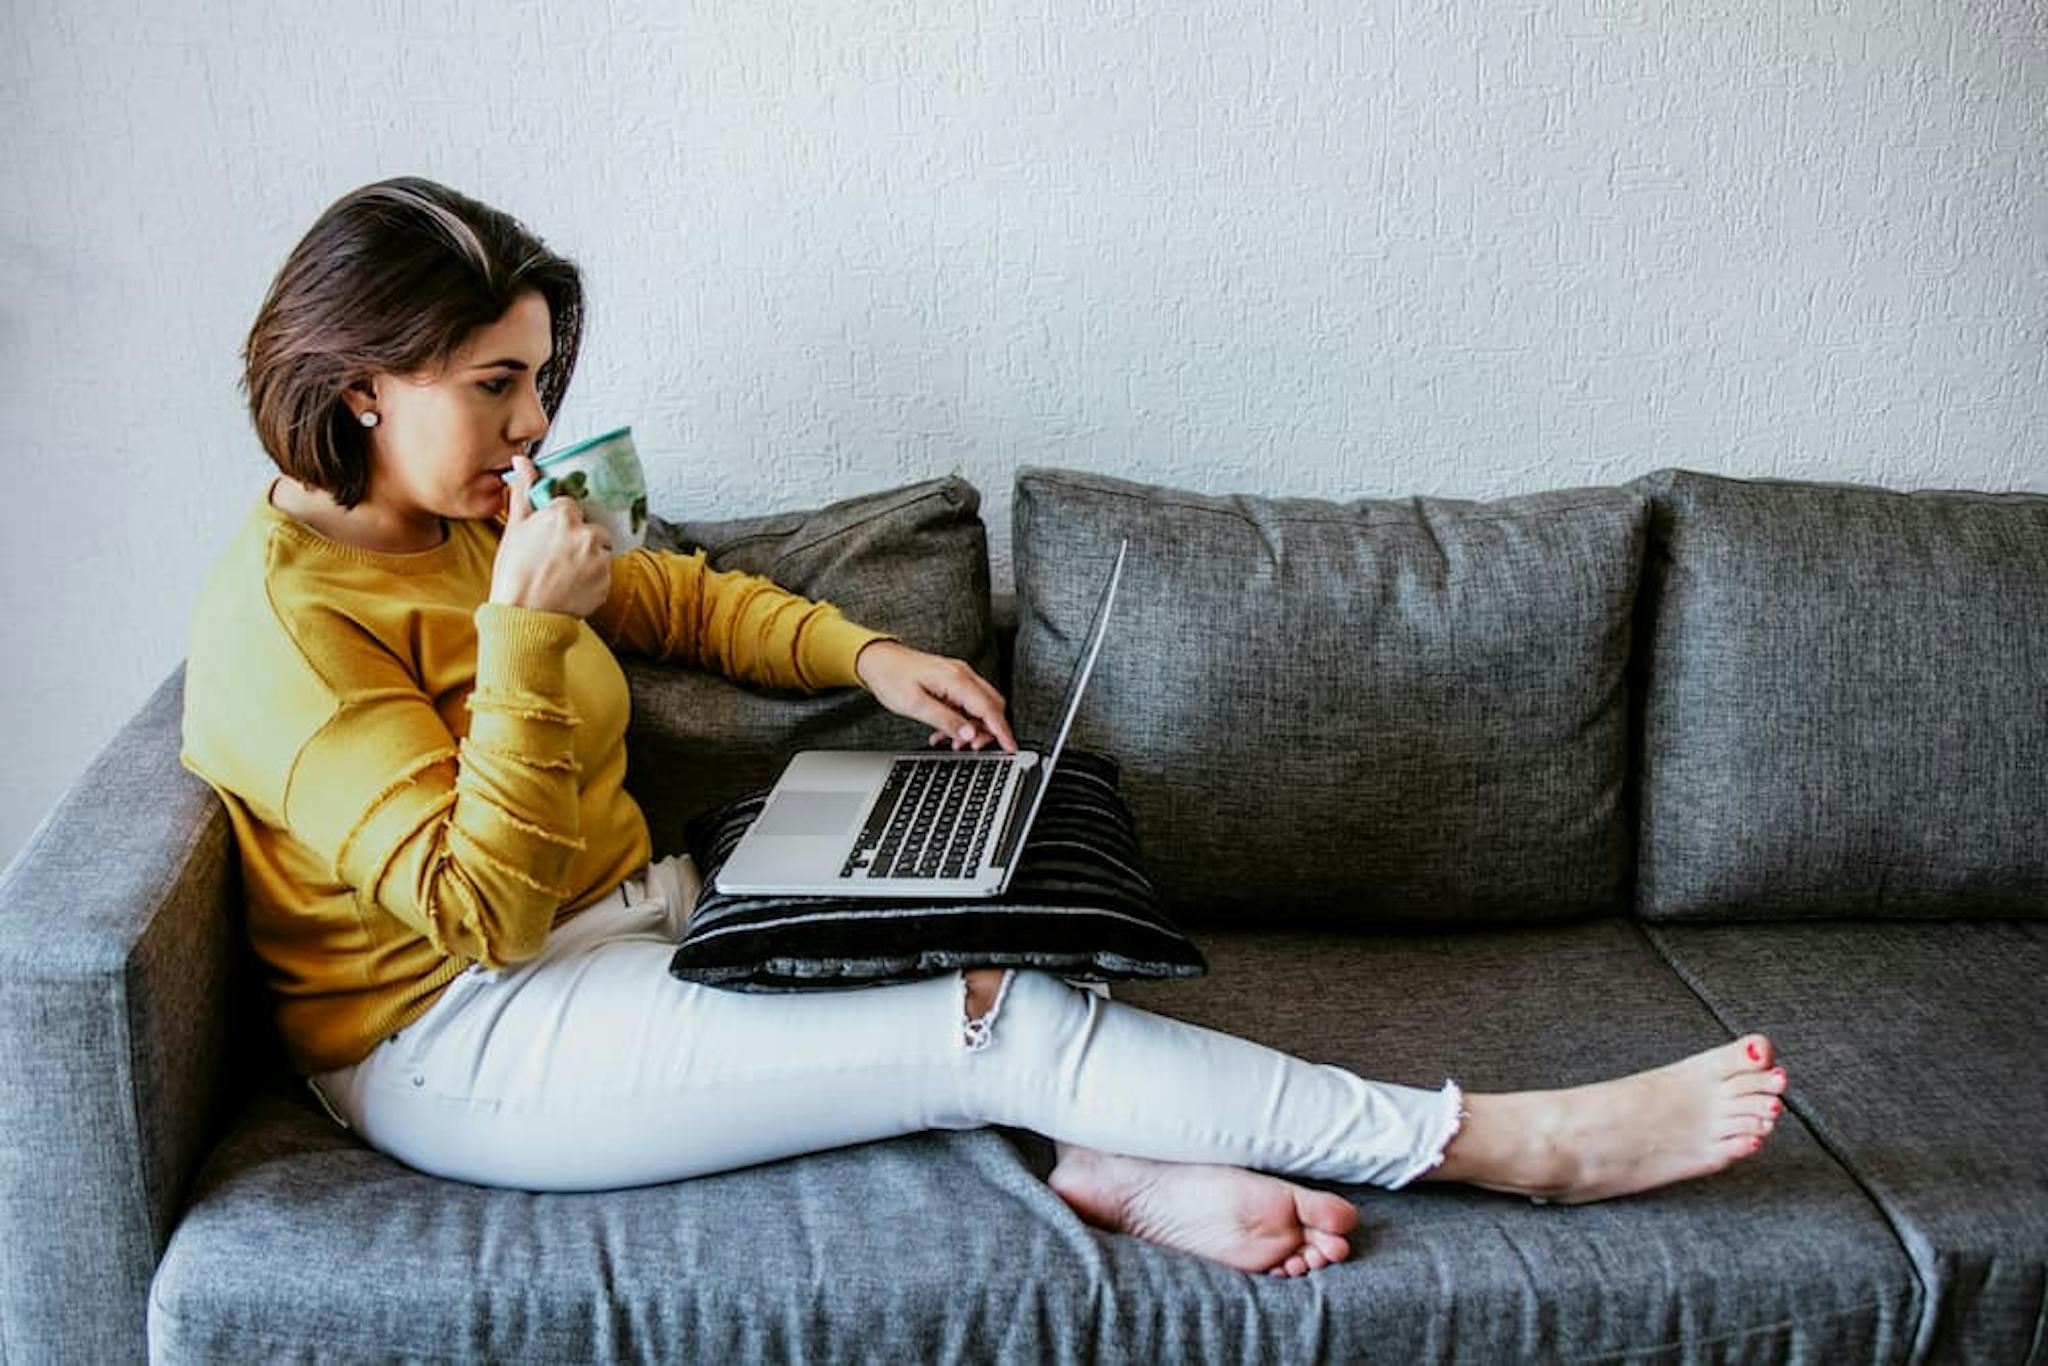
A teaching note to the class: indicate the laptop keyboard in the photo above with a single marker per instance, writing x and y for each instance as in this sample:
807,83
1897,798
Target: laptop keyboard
932,819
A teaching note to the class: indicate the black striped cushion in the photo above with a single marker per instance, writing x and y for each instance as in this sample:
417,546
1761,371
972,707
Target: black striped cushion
1080,906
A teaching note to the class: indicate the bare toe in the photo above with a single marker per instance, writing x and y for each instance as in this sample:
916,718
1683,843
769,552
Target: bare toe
1743,1126
1764,1081
1333,1247
1325,1211
1753,1114
1750,1053
1734,1148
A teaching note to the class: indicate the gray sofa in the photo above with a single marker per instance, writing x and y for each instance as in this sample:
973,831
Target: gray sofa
1527,792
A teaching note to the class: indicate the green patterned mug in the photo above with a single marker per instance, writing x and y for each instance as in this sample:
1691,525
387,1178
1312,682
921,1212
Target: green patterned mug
604,475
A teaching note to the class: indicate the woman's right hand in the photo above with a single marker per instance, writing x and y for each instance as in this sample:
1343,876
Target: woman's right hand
549,558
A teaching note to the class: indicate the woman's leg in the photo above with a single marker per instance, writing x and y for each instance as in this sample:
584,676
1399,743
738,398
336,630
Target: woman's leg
1108,1076
1672,1123
1241,1218
591,1068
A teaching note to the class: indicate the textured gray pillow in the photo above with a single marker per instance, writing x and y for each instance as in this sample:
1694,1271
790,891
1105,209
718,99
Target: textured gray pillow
912,561
1348,713
1844,704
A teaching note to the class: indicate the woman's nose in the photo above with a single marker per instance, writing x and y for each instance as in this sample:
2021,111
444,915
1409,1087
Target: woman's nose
529,419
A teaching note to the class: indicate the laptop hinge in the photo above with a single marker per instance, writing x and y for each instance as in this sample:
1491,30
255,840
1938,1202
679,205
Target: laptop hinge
1020,811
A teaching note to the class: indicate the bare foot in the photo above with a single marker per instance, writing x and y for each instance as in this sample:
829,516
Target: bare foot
1672,1123
1243,1219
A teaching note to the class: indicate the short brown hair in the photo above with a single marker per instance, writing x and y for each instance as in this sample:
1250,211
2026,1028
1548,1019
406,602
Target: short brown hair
390,280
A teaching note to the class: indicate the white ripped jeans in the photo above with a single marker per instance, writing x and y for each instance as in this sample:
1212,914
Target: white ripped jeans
590,1067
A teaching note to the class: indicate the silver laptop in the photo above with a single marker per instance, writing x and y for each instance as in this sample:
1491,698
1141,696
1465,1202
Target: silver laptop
930,824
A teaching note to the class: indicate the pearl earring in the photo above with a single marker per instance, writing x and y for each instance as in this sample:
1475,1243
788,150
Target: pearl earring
368,419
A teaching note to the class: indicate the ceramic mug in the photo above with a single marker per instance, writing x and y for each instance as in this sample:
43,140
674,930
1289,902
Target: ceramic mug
604,475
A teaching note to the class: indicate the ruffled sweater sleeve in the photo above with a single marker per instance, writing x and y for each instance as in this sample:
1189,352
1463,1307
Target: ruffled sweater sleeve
677,608
466,842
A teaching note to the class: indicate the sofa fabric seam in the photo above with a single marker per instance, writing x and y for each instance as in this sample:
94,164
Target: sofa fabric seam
1156,500
944,491
1734,1335
1929,1300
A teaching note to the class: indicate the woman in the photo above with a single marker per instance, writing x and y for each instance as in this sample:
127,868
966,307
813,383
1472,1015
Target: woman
401,683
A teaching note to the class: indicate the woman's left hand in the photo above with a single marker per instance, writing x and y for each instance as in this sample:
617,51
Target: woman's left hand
962,708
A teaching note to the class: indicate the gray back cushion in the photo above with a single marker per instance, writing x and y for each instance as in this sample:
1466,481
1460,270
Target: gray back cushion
911,561
1348,713
1844,711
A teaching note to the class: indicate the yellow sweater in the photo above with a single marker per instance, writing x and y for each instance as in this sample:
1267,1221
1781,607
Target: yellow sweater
419,779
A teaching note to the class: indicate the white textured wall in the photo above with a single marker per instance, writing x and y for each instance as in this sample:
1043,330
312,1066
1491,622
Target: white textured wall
1339,247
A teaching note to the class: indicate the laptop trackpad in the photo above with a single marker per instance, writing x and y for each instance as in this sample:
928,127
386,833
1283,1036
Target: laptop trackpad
796,812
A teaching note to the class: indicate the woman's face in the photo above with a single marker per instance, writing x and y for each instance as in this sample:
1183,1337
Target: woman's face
443,436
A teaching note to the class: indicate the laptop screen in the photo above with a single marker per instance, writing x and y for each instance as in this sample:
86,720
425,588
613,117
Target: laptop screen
1026,809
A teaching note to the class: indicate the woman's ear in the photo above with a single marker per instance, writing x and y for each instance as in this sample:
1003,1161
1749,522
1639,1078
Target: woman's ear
360,396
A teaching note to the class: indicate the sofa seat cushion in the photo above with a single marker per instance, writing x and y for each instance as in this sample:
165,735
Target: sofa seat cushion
911,561
303,1246
300,1244
1915,1051
1781,1257
1408,710
1843,707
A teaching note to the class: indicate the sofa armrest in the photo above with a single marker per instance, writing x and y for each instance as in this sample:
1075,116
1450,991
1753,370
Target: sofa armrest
116,953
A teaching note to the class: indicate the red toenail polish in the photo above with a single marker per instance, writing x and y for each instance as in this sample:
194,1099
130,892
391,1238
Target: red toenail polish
1755,1143
1755,1054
